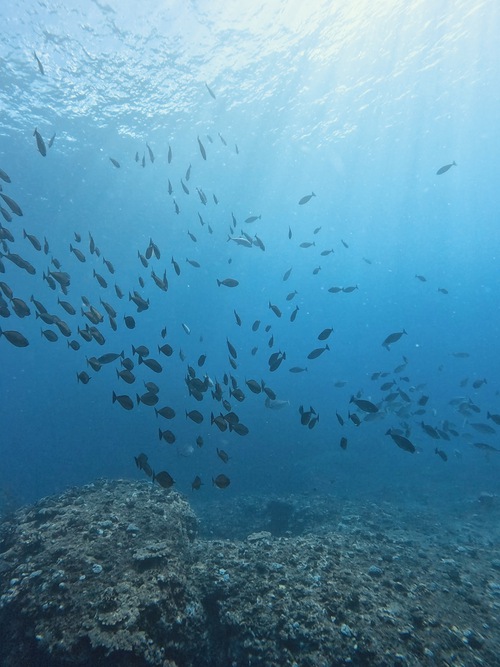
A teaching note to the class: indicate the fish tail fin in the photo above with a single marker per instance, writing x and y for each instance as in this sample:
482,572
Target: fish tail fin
114,397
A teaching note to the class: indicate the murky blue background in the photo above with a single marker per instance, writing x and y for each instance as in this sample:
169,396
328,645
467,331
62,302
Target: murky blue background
359,104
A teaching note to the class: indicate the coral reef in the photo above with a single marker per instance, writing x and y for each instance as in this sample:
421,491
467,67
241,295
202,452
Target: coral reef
116,574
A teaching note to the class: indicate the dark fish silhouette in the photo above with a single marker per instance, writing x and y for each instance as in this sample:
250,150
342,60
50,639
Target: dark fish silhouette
305,199
443,170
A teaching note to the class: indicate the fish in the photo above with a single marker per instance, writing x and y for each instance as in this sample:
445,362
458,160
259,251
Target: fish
222,139
83,377
151,155
40,144
275,360
141,462
325,334
483,428
430,430
401,441
344,243
228,282
202,149
232,349
393,338
129,322
7,216
275,309
152,387
286,275
13,205
289,232
297,369
444,169
193,263
195,416
152,364
294,314
221,481
340,419
162,283
219,421
77,253
307,244
114,162
15,338
210,91
325,253
148,398
237,318
176,266
186,191
442,454
254,386
253,218
343,442
4,176
364,405
109,357
224,456
291,295
349,289
240,240
196,483
493,417
166,412
276,404
126,375
166,349
354,418
33,240
485,447
443,290
318,352
102,282
125,401
38,62
306,198
335,290
422,279
164,479
167,435
387,385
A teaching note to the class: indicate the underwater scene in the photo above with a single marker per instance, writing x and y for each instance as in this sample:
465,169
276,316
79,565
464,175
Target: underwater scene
249,333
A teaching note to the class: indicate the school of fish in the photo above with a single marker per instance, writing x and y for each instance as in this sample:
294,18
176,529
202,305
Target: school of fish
218,391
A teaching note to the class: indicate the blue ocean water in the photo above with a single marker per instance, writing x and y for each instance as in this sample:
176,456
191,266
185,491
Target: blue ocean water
360,105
